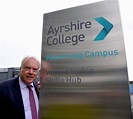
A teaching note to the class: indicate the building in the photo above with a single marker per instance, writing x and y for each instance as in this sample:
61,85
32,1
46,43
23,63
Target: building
7,73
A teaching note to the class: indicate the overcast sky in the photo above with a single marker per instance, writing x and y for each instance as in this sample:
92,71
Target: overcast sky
21,28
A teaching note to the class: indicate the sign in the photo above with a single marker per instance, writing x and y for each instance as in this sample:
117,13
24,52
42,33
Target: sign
84,70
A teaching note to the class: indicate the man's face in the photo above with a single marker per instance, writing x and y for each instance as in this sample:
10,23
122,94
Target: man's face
29,71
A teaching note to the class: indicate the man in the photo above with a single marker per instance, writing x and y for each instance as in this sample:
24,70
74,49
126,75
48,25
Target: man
14,94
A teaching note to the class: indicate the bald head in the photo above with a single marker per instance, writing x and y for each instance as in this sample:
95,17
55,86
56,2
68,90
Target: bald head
29,69
29,57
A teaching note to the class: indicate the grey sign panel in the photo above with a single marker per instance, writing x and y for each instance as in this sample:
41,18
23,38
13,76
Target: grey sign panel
84,70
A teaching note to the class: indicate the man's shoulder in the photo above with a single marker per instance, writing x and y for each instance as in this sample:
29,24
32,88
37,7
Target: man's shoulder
8,82
35,83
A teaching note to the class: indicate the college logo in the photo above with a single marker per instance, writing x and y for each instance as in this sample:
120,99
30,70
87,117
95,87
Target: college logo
107,26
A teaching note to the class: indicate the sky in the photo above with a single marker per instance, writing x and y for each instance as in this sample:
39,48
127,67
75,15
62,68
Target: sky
21,23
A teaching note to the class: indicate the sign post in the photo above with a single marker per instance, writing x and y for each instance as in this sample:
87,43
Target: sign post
84,71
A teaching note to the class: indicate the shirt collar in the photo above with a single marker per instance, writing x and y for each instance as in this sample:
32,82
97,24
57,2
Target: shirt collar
22,84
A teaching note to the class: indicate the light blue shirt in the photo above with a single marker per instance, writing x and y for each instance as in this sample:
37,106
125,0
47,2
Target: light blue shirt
25,98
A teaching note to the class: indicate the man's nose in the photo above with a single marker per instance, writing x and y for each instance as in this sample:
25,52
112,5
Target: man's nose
31,71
